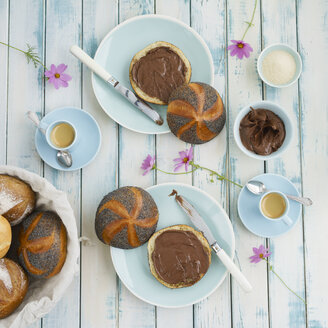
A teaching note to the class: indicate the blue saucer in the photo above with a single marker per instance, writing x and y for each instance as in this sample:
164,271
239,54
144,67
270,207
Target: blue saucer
249,212
89,138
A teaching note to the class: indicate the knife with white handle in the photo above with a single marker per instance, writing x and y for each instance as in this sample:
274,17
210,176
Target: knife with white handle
125,92
200,224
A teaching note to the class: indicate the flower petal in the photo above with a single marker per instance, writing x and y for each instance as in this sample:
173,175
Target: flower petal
53,69
190,154
65,77
177,167
56,83
64,84
232,46
48,73
256,251
182,154
234,51
61,68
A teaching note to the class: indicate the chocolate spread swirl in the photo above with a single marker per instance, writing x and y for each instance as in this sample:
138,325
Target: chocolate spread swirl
179,257
159,72
262,131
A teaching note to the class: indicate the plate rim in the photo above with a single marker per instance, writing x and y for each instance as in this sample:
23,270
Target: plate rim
269,236
232,255
141,17
91,159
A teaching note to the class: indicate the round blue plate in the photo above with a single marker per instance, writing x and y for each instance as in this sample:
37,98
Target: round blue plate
132,265
119,46
88,143
249,212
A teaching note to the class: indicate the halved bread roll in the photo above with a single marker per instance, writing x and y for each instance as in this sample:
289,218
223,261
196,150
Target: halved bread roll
161,76
180,260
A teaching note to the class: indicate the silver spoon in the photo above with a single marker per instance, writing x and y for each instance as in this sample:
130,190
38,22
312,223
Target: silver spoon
258,188
63,156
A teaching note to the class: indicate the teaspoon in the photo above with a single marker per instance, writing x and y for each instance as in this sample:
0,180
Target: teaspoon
258,188
63,156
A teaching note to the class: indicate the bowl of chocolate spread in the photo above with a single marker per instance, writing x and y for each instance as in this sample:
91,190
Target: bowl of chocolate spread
263,130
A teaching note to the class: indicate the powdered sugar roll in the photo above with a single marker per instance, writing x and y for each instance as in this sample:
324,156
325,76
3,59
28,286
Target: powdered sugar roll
5,276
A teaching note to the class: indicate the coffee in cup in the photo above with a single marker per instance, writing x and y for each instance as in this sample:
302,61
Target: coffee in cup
62,135
273,205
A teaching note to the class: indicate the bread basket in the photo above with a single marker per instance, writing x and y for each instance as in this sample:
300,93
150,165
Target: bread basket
44,294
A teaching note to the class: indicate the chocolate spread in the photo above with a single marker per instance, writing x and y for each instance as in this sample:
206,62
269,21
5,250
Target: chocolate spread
179,257
159,72
262,131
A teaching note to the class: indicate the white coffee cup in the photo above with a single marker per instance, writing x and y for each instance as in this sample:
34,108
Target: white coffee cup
283,217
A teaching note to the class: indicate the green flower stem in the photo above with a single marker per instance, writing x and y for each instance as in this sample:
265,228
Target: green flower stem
221,177
195,168
172,173
29,54
271,269
251,22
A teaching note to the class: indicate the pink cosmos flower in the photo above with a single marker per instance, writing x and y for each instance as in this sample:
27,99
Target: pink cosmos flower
240,48
148,164
259,254
184,159
57,77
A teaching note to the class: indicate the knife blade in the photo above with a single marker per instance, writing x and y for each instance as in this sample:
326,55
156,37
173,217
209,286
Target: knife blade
200,224
125,92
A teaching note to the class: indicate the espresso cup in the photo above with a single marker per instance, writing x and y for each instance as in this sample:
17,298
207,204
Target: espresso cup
60,135
274,206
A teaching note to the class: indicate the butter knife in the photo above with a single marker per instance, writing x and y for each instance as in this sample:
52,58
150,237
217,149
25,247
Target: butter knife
200,224
125,92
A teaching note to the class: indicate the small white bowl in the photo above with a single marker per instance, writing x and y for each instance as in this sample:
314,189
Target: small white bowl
278,111
290,50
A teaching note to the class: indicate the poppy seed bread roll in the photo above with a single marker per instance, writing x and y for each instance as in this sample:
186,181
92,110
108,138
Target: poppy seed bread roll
42,244
126,218
195,113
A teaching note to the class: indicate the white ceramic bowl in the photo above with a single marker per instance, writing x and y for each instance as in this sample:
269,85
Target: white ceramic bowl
290,50
278,111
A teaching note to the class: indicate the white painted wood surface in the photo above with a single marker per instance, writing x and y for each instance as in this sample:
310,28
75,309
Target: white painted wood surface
97,298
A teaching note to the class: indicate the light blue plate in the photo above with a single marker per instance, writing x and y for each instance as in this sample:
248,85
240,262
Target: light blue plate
119,46
88,142
132,265
249,212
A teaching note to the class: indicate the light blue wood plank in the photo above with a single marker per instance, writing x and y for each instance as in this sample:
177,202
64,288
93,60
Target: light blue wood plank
98,277
244,86
287,251
63,28
313,47
24,86
132,311
209,19
4,36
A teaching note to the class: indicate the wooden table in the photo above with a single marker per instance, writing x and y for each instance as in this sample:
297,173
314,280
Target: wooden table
97,298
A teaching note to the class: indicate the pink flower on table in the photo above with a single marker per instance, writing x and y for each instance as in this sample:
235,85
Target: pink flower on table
240,48
148,164
57,76
185,158
259,254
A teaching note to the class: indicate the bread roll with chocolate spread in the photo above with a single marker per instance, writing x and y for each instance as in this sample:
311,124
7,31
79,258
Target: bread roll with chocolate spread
17,199
157,70
178,256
